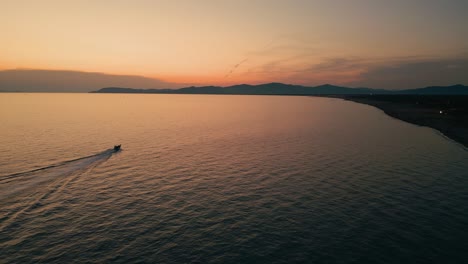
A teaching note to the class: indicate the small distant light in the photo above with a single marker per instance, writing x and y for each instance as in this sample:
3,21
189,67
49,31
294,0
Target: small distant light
441,112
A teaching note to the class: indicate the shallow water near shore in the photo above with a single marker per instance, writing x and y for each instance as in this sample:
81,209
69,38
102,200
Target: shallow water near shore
224,179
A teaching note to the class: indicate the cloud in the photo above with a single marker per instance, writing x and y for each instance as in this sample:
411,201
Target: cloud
293,60
299,69
415,73
33,80
388,73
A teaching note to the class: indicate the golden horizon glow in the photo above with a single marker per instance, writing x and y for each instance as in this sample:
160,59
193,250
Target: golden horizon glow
230,42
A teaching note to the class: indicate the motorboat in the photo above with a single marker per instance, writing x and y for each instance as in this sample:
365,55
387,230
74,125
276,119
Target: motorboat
117,148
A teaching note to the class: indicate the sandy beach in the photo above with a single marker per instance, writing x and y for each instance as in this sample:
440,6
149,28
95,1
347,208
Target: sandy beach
445,113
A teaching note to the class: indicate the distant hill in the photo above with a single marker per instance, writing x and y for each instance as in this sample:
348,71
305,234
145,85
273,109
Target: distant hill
289,89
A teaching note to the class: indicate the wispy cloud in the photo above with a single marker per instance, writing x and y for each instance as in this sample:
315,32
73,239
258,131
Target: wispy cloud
415,73
381,72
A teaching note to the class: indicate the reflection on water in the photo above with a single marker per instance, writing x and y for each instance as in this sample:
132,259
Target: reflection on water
224,179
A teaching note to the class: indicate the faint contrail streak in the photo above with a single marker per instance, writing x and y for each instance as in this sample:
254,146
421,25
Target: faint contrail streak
235,67
246,59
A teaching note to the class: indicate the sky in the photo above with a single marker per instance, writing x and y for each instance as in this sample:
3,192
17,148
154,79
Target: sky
166,44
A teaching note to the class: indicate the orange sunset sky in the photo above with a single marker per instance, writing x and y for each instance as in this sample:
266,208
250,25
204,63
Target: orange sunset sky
166,44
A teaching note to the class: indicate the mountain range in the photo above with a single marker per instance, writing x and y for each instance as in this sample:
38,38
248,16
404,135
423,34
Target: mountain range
289,89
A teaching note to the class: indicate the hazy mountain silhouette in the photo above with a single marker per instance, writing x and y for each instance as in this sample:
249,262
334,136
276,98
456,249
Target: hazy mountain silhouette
33,80
445,90
289,89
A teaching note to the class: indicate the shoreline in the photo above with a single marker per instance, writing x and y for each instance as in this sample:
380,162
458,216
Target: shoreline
446,114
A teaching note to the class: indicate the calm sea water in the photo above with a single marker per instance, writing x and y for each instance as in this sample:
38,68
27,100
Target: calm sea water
224,179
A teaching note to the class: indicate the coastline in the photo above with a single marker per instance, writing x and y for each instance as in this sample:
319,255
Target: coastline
444,113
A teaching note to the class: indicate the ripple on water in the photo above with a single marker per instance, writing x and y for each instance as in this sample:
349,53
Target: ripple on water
252,180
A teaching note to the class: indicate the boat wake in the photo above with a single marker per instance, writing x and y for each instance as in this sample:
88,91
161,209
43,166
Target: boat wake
105,153
34,186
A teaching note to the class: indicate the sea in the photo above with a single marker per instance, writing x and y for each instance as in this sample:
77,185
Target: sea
224,179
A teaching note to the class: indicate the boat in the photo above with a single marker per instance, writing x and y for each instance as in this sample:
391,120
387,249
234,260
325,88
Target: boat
117,148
